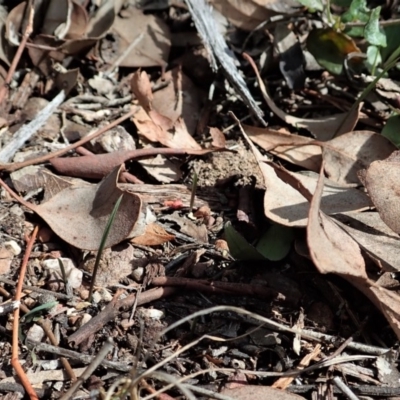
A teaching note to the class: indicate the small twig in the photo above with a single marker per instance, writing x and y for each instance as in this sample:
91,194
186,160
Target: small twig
14,358
83,358
88,138
57,295
107,346
18,54
6,308
344,389
112,309
45,324
27,131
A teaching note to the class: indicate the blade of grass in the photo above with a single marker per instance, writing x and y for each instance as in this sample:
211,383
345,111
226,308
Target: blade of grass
103,243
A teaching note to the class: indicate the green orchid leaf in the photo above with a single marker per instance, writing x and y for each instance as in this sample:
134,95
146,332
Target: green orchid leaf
239,247
392,130
276,242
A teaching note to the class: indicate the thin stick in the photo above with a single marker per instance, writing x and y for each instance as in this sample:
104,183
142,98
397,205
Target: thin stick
107,346
15,166
46,325
18,54
14,358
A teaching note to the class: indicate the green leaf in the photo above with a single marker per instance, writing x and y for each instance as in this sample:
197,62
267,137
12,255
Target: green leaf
392,33
239,247
330,48
341,3
276,242
357,12
373,58
372,32
392,130
316,5
36,312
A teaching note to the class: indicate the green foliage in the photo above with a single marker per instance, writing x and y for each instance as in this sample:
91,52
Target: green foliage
392,33
330,48
239,247
36,312
372,32
392,130
274,244
313,5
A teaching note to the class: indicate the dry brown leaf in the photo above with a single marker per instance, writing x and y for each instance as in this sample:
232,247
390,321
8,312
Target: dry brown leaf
151,50
218,138
383,185
296,149
345,155
254,392
154,235
374,236
245,15
332,249
186,226
179,99
115,265
162,169
79,214
322,128
286,206
155,126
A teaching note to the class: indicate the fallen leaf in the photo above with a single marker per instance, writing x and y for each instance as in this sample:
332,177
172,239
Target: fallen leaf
286,206
246,15
115,265
198,232
179,99
152,49
323,128
155,126
374,236
162,169
218,138
79,214
345,155
154,235
331,249
334,251
383,186
254,392
296,149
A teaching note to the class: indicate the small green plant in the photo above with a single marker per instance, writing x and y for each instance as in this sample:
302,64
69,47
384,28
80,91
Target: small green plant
332,45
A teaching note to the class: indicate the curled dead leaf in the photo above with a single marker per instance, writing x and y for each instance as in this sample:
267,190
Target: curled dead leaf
383,185
345,155
79,214
154,235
